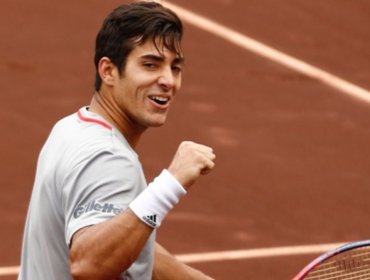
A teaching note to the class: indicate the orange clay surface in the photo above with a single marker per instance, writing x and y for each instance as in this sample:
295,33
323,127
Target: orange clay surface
293,156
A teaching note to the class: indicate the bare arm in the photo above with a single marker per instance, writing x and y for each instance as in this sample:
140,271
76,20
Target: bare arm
167,267
105,250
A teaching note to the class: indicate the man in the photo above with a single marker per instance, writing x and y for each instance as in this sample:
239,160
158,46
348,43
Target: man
92,215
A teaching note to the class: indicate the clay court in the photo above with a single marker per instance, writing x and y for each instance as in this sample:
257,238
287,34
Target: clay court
291,136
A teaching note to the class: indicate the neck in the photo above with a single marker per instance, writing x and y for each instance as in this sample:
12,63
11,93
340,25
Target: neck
102,105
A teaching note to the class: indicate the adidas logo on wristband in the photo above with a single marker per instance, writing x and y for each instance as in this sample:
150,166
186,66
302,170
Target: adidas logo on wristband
159,197
151,220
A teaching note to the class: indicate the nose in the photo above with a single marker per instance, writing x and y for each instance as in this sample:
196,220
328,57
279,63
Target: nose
167,79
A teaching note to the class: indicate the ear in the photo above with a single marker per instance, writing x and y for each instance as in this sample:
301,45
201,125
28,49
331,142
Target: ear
107,70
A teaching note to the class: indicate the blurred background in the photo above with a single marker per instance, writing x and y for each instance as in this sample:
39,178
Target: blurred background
292,152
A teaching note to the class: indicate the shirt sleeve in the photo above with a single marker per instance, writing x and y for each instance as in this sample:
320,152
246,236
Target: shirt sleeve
98,189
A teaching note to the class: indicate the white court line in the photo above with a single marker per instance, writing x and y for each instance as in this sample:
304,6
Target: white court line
290,62
233,255
293,63
261,49
258,253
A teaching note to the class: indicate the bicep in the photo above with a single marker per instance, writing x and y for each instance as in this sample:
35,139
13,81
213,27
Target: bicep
114,244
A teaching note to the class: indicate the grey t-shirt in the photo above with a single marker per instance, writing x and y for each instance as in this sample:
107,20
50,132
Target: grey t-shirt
86,174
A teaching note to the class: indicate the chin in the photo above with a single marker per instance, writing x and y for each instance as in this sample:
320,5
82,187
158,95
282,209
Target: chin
159,120
154,120
157,124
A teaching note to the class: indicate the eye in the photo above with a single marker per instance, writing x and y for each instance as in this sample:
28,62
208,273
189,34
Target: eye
150,65
176,69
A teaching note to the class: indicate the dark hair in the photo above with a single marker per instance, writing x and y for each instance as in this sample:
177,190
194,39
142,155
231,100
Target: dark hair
130,25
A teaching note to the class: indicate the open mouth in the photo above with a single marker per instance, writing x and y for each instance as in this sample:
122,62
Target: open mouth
160,100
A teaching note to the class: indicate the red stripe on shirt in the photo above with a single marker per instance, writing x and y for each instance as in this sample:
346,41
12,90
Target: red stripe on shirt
86,119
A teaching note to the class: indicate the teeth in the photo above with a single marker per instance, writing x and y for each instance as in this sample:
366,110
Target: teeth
159,99
163,99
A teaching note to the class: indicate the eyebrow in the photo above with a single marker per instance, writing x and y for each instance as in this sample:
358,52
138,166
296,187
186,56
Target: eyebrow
160,58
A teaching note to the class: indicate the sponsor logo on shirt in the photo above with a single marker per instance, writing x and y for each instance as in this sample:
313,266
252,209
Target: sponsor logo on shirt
96,206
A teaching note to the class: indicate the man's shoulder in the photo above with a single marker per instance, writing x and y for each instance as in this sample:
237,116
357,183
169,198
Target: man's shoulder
88,137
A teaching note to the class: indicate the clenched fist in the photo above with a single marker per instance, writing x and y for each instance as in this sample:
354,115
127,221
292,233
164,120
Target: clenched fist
190,161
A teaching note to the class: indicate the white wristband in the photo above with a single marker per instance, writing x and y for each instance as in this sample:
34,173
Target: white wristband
153,204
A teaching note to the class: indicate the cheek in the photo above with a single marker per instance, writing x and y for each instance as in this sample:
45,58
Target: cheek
140,83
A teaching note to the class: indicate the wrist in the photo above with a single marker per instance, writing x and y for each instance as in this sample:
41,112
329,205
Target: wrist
154,203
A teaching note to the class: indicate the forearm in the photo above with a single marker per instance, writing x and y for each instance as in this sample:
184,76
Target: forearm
167,267
105,250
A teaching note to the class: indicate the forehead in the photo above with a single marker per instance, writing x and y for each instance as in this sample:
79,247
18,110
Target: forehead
157,48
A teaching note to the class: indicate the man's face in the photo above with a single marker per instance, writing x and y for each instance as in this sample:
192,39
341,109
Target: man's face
148,85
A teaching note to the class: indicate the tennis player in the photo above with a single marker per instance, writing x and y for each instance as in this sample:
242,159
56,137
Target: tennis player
92,214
